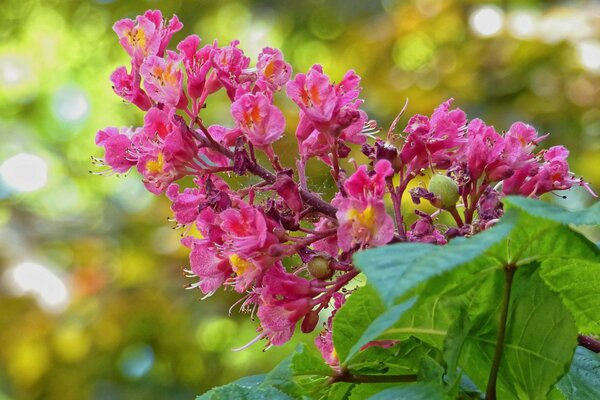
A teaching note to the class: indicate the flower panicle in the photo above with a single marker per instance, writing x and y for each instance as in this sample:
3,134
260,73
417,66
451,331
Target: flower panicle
240,238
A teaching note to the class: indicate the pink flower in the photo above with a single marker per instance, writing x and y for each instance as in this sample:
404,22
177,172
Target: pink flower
258,119
246,228
361,216
273,69
163,160
204,262
210,191
117,147
362,186
284,300
553,174
363,222
483,147
229,62
163,80
128,87
314,94
324,341
431,140
146,36
197,64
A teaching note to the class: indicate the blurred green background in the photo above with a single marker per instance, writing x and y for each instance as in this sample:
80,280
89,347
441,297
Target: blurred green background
91,298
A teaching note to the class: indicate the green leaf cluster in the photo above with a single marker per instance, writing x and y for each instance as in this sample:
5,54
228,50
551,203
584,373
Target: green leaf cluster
442,306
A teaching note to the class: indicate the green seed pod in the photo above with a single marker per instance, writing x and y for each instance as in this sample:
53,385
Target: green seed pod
445,191
319,268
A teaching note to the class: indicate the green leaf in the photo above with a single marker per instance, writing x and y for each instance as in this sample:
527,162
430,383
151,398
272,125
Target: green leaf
539,239
583,380
379,326
305,361
397,268
351,321
233,391
250,381
402,359
576,280
300,373
457,334
539,344
365,390
413,391
590,216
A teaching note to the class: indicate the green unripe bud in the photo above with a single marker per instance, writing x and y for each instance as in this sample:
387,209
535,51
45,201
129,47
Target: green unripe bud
445,191
319,268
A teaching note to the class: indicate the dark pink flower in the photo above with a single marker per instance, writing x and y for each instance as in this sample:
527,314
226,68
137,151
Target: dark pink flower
273,69
117,147
147,36
363,222
197,64
431,140
284,300
127,86
258,119
163,80
229,63
424,231
204,262
314,94
362,186
324,341
483,147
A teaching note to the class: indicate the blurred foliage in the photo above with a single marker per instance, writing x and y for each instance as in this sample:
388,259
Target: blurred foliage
128,329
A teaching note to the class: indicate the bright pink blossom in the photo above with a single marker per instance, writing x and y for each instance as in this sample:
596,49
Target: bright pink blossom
229,63
258,119
361,185
212,270
128,87
314,94
197,64
163,80
147,36
431,140
117,147
324,341
483,148
284,300
363,222
273,69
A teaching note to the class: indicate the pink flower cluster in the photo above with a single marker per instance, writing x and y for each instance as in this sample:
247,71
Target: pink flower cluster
245,235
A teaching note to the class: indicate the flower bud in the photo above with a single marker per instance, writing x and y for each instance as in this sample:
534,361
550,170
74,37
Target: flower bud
445,191
310,322
319,268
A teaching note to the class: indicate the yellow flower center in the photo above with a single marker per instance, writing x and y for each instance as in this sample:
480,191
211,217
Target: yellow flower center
365,218
166,75
156,166
137,38
239,264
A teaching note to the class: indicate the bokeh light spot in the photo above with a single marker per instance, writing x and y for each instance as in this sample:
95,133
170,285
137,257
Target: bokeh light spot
136,360
70,104
413,52
589,55
523,24
486,21
44,284
24,172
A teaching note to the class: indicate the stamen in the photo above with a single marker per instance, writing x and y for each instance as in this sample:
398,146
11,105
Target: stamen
250,343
